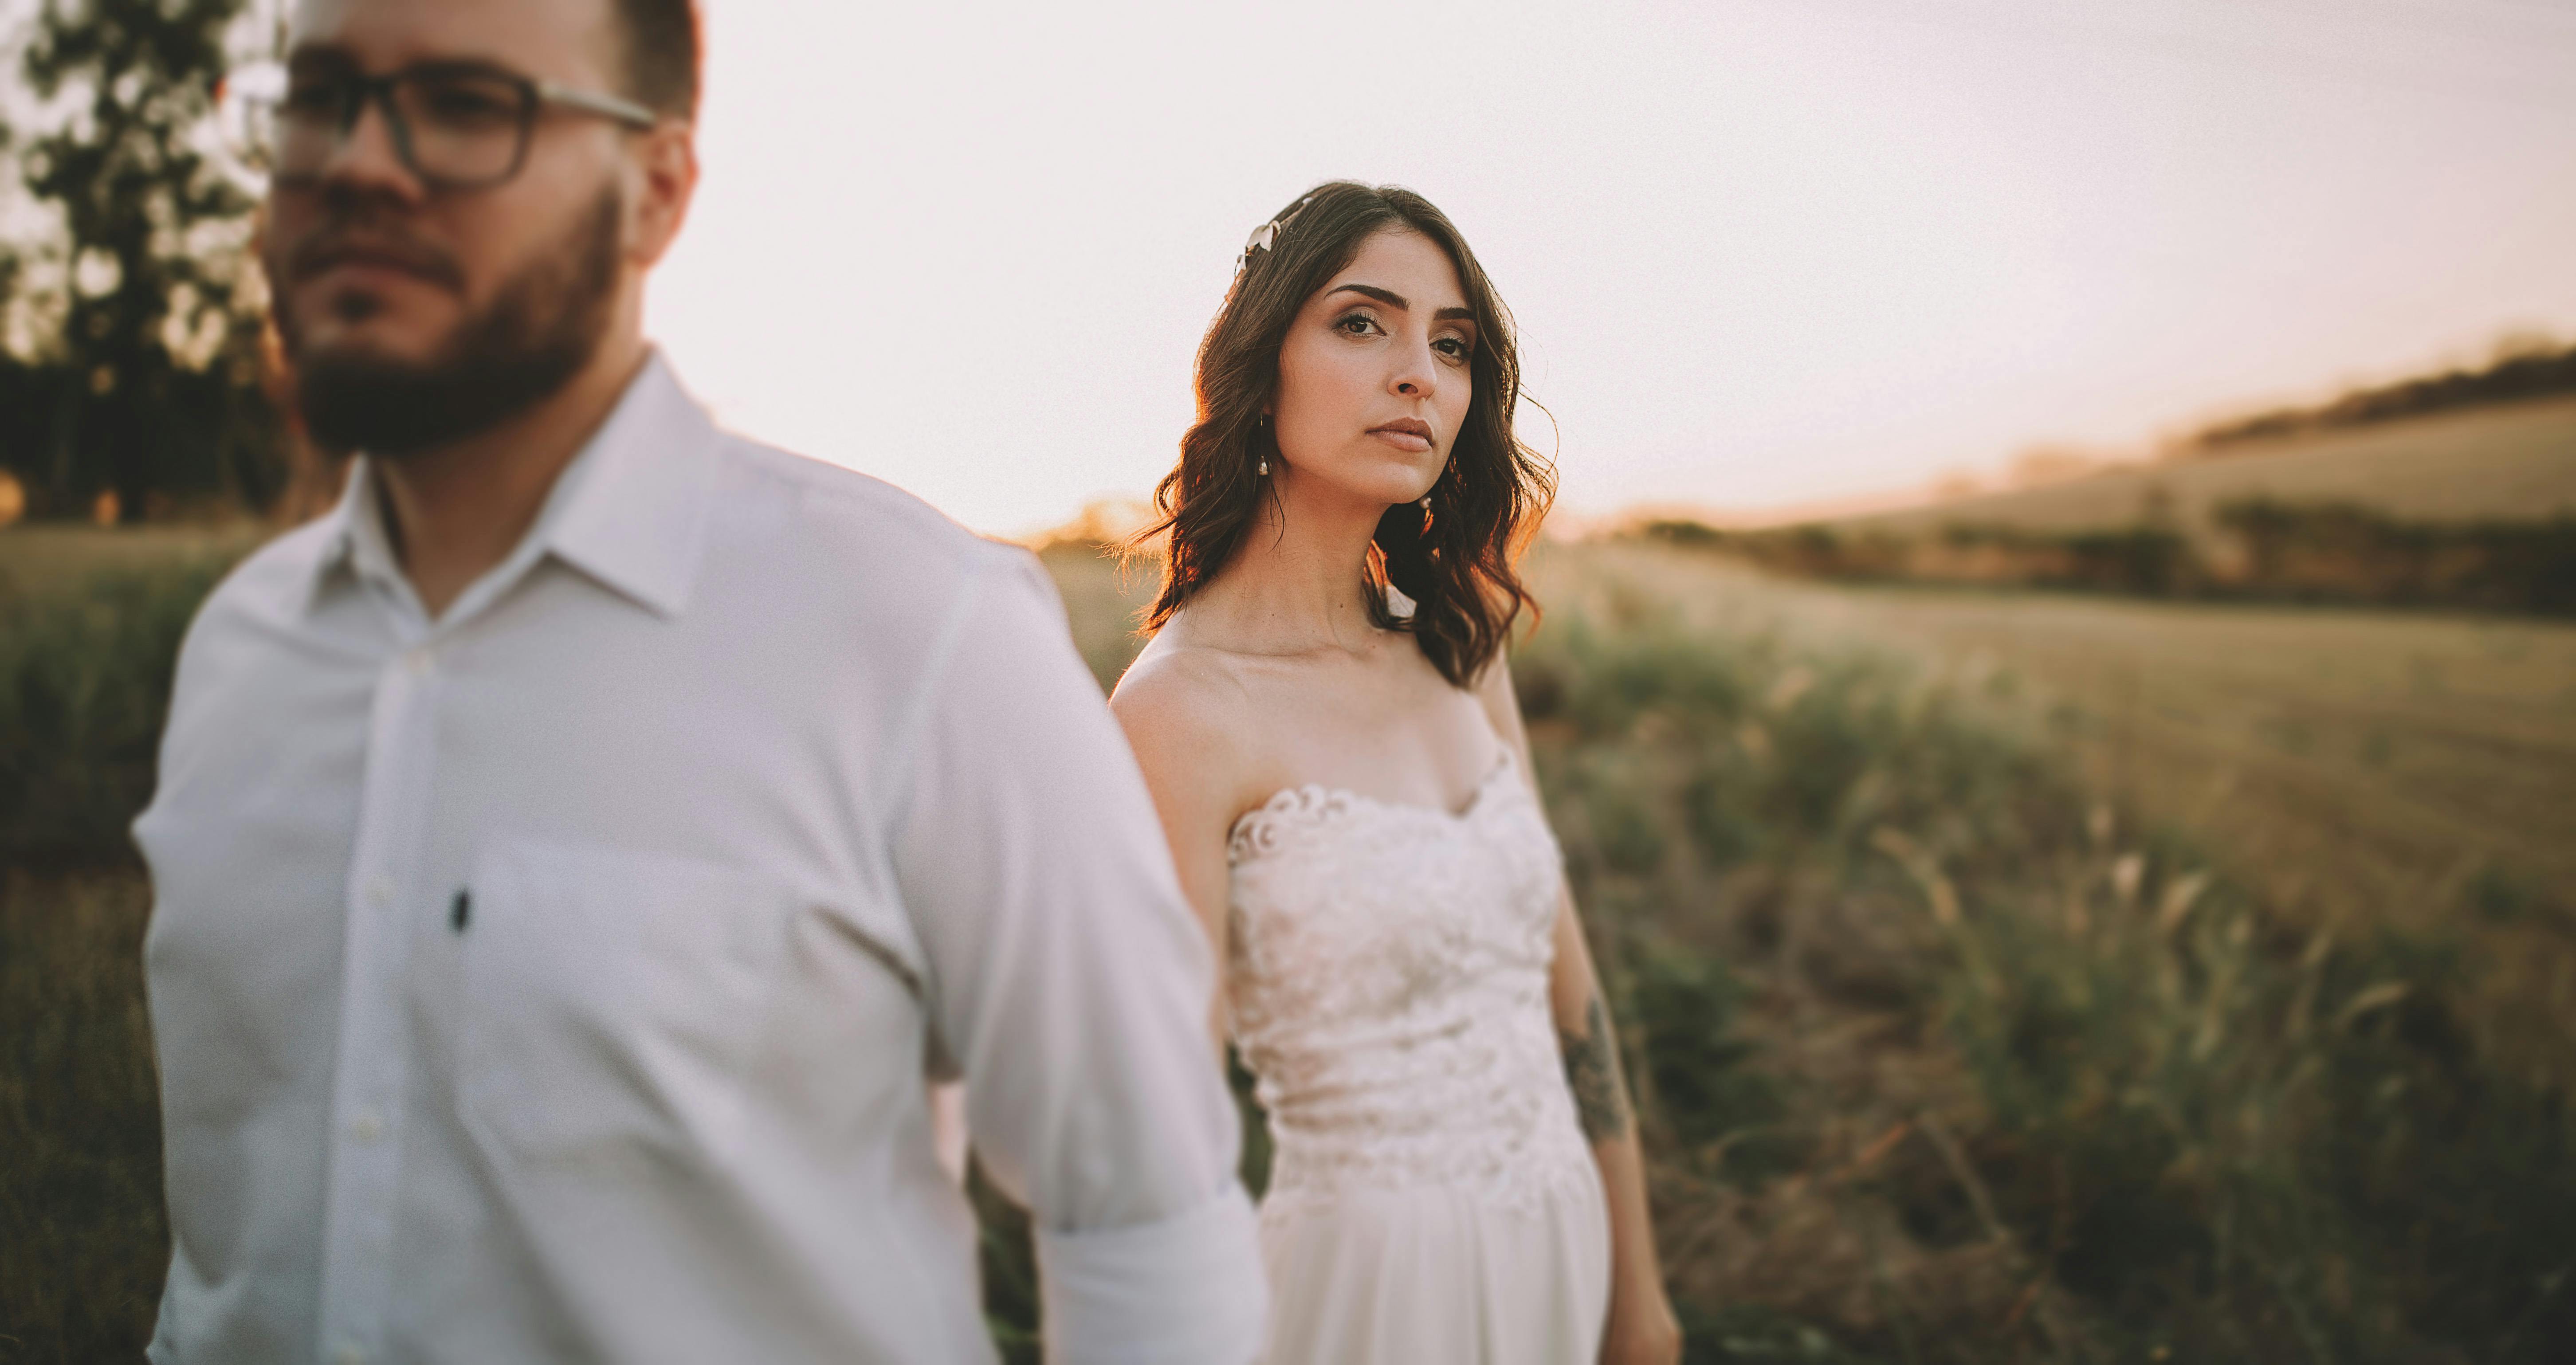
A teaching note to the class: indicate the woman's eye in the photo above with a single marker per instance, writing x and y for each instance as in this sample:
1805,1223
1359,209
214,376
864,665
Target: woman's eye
1453,347
1357,324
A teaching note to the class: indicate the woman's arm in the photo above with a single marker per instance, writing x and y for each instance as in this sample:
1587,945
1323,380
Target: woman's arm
1641,1329
1190,767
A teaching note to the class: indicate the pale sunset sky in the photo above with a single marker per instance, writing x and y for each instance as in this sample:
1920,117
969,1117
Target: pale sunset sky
1764,253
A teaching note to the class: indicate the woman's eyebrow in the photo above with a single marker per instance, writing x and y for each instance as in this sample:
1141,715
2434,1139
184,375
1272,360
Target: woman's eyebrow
1388,297
1395,300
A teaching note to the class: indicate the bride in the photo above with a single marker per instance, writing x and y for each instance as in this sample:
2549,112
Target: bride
1331,738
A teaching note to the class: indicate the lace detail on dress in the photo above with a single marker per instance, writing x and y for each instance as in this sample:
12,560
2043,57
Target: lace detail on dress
1387,971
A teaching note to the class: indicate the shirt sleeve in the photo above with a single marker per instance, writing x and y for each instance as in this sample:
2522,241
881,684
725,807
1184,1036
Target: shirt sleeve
1069,982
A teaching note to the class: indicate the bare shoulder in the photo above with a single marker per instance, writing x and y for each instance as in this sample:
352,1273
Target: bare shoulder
1493,688
1196,733
1179,697
1502,707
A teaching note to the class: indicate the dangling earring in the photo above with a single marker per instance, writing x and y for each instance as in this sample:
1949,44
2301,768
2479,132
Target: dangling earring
1426,502
1260,420
1265,465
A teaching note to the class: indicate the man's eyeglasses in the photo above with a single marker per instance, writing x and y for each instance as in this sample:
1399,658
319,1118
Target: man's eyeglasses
456,125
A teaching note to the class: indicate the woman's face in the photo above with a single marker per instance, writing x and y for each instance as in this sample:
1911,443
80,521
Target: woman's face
1373,378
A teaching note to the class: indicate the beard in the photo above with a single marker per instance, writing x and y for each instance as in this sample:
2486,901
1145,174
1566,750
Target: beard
541,328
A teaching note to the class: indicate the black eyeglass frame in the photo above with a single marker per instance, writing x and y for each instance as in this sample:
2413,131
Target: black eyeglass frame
357,91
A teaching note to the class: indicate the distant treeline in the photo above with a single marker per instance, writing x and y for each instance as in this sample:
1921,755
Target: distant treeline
2532,373
2262,549
160,438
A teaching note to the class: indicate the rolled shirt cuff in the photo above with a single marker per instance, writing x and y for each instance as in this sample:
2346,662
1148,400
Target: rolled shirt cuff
1187,1290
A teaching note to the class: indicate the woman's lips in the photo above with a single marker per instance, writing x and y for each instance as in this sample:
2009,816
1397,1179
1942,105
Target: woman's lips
1407,435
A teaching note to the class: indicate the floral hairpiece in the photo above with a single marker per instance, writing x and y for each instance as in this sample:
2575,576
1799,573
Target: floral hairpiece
1268,233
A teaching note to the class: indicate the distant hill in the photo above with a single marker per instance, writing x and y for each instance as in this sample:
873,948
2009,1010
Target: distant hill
2526,369
2473,509
2513,461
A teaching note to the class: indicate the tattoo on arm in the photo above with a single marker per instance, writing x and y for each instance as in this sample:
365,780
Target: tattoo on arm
1592,1073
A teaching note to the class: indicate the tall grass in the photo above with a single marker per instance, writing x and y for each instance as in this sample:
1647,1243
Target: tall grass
85,668
82,1240
1942,1060
84,685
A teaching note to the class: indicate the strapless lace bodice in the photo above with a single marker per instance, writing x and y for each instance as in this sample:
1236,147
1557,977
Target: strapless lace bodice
1388,980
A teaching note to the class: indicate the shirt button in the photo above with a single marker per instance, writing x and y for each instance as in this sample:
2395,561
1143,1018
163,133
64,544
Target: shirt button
349,1355
418,661
380,892
366,1127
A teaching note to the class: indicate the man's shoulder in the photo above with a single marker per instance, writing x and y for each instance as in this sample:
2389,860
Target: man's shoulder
855,544
230,657
835,497
273,580
797,506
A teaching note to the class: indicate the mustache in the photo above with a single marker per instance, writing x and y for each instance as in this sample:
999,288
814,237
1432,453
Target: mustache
358,235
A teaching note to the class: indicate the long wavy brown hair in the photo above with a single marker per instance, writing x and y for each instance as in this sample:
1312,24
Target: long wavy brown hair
1455,561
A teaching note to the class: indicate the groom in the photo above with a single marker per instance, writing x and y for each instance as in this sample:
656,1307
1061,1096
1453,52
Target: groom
574,853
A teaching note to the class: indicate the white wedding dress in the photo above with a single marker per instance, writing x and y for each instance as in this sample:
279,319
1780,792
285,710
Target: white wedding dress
1432,1198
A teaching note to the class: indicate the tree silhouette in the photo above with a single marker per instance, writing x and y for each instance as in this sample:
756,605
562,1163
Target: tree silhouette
139,311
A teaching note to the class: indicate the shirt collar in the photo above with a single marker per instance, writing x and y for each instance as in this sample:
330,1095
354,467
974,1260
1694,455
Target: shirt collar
350,521
629,510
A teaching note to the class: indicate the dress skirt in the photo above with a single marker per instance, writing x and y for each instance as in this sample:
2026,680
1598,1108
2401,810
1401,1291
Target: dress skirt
1440,1275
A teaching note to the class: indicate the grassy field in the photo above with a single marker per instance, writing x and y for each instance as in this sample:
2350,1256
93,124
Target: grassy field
2351,763
42,560
2513,462
2004,977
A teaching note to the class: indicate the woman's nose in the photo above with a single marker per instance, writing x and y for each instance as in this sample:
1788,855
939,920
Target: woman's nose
1415,376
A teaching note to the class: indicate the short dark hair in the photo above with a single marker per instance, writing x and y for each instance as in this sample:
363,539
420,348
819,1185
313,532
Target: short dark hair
662,54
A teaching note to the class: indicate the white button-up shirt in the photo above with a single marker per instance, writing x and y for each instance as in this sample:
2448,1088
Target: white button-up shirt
557,980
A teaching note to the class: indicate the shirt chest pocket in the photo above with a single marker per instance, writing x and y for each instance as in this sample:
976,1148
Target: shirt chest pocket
613,1003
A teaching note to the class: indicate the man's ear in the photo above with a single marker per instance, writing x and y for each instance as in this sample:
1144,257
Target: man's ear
666,179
